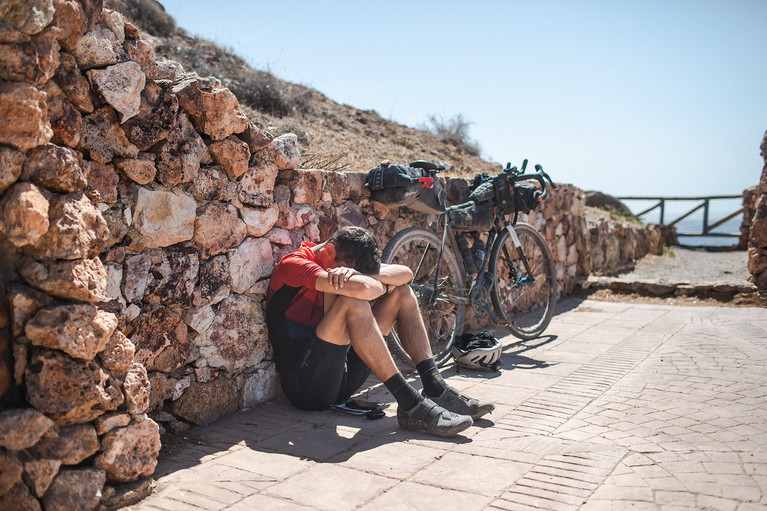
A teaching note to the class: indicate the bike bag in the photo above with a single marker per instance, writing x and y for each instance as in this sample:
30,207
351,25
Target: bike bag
509,197
400,185
473,217
525,198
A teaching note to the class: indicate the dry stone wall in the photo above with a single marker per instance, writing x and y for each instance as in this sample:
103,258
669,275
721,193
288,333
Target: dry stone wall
141,214
757,238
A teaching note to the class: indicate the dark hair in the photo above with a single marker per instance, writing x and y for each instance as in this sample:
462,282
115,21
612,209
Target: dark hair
357,248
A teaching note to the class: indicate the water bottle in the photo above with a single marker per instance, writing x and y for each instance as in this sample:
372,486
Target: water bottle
478,250
463,246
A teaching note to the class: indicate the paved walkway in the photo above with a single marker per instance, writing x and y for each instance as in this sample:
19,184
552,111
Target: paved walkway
620,406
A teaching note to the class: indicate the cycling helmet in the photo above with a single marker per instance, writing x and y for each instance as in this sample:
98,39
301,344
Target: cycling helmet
477,351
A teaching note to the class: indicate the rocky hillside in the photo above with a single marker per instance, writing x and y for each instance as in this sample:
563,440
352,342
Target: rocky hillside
331,136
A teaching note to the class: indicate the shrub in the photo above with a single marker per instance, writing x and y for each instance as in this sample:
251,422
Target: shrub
454,131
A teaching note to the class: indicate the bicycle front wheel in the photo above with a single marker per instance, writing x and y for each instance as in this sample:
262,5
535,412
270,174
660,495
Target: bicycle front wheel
524,300
442,304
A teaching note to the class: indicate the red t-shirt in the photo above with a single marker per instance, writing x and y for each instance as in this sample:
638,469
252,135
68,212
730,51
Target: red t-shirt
299,271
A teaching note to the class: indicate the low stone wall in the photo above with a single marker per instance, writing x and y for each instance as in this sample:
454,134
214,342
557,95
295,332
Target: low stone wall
141,214
757,237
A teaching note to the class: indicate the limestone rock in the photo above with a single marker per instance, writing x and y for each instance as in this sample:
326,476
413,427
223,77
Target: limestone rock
173,279
70,20
69,391
59,169
250,262
24,214
22,428
306,185
103,137
179,158
26,114
76,229
161,388
142,170
83,279
141,52
109,421
120,85
200,318
233,154
65,120
255,137
164,218
136,388
98,47
206,402
115,220
214,279
284,151
11,162
75,489
115,22
161,340
72,445
24,303
237,338
259,221
213,110
92,10
130,453
39,474
158,110
102,179
29,59
81,331
257,185
260,386
136,276
211,184
10,471
218,228
27,16
74,85
19,498
118,353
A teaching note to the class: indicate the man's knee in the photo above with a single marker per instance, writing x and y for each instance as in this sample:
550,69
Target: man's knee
353,305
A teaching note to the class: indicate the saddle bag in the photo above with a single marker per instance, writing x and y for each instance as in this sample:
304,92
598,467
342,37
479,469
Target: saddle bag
473,217
400,185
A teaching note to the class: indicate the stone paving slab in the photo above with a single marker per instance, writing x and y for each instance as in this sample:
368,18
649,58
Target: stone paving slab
618,406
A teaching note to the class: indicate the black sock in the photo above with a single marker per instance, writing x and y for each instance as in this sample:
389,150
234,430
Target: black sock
433,383
407,397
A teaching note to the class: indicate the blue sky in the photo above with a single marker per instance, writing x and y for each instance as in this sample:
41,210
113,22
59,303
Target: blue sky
628,97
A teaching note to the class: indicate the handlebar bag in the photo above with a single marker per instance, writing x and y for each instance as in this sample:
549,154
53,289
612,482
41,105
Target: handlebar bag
400,185
477,216
525,198
504,194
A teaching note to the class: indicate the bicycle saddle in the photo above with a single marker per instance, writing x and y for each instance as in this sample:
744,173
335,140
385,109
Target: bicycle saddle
426,165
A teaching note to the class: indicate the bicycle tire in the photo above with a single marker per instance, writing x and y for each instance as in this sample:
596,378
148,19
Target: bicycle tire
444,319
525,308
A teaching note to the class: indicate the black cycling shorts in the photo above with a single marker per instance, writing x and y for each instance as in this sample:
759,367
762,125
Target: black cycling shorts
314,373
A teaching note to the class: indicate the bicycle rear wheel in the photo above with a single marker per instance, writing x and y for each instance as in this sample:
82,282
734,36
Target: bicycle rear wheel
524,301
443,309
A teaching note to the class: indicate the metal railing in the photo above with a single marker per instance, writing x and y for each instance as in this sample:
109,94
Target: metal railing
704,203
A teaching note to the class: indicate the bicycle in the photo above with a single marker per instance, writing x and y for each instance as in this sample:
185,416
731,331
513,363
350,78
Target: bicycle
515,272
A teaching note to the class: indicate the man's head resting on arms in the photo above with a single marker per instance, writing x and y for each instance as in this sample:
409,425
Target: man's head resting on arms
354,247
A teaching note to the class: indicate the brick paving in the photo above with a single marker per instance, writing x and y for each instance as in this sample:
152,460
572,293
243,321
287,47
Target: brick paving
619,406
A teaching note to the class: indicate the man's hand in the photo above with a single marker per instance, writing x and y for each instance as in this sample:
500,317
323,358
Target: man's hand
337,277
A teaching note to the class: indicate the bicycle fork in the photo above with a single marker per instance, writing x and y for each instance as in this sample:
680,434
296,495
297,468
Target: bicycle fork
529,278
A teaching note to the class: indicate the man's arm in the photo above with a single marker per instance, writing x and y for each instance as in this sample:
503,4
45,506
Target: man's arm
349,283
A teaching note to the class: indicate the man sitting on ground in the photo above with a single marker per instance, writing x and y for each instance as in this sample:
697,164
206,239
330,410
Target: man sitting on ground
328,309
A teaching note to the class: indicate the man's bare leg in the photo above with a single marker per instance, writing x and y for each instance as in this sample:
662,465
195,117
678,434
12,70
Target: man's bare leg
401,307
351,321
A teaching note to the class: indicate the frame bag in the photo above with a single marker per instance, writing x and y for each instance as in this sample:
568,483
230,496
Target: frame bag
400,185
